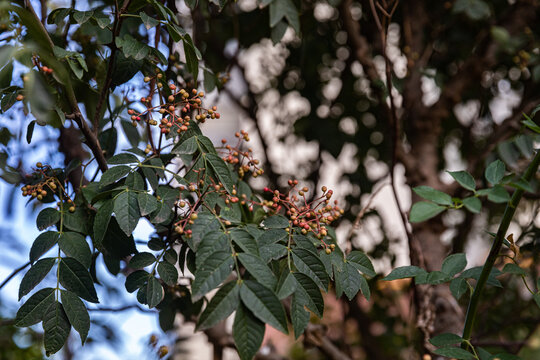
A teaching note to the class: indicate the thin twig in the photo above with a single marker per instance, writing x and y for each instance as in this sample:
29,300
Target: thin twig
376,16
108,77
314,336
123,308
360,216
91,138
15,272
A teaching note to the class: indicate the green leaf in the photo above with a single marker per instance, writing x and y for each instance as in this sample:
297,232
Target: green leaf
122,159
213,272
147,203
82,16
223,304
211,243
171,256
258,269
209,80
264,304
278,31
512,268
458,287
124,69
6,75
528,122
56,328
191,57
168,273
436,196
132,47
306,243
445,339
187,147
403,272
34,276
332,262
154,292
364,287
74,277
474,273
432,278
423,210
7,101
473,204
523,185
76,221
309,293
32,311
126,209
161,214
498,194
361,261
148,21
205,223
464,179
454,352
42,244
454,263
248,333
135,280
74,66
39,96
500,35
221,170
141,260
101,222
102,20
280,9
308,263
30,131
273,252
47,217
495,172
272,236
76,313
276,222
286,285
74,245
114,174
347,281
474,9
205,144
245,241
299,316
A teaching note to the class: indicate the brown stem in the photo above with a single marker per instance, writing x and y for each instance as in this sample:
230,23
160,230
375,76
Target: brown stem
91,138
314,336
108,78
13,273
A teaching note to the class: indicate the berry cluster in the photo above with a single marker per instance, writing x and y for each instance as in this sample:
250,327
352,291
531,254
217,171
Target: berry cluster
189,207
44,69
310,216
243,159
47,184
176,109
162,351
